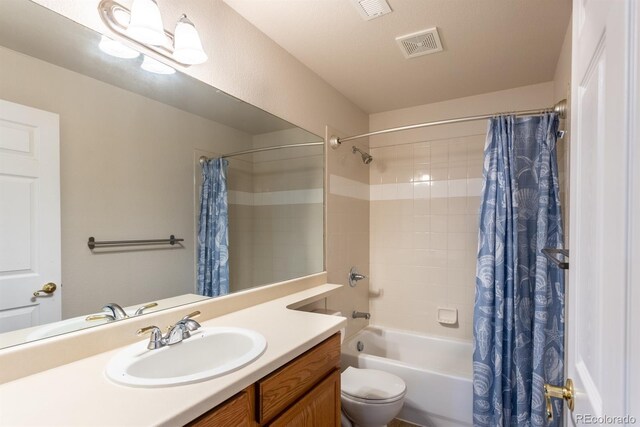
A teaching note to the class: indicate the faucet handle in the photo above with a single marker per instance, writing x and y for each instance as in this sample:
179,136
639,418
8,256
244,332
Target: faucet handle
155,340
355,277
144,307
191,315
188,324
92,317
146,330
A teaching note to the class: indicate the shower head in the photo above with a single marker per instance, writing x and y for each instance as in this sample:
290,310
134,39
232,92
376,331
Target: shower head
366,157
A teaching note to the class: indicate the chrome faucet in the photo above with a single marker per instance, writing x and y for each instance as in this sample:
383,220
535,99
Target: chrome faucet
360,315
115,310
175,334
183,328
111,312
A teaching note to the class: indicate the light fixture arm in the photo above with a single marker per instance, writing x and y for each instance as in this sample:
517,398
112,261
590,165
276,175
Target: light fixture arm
107,10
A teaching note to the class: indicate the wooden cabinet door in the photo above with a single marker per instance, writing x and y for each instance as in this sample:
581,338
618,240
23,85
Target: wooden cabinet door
280,389
318,408
237,411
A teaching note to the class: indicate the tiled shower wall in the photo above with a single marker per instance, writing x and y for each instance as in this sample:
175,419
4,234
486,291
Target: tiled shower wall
425,197
424,216
276,211
288,207
241,217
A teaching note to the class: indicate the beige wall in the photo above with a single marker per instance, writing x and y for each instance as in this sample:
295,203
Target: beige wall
118,149
348,229
425,188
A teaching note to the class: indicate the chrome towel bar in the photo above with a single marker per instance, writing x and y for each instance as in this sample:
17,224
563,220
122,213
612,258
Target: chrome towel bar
172,240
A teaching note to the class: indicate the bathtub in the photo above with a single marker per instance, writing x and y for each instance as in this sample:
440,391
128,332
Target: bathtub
437,371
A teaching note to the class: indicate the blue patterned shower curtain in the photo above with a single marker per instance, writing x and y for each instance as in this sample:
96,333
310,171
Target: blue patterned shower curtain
519,307
213,235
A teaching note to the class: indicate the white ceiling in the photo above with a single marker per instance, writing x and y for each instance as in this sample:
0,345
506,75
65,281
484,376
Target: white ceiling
489,45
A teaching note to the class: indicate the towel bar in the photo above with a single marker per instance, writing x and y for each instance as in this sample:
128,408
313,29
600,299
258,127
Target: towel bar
172,240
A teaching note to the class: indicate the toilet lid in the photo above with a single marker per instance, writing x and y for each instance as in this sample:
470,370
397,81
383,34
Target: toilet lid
371,384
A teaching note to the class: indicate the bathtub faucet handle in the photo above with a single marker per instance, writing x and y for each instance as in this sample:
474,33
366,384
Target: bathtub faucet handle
355,277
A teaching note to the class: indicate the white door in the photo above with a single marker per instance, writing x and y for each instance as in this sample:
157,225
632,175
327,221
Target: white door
29,216
601,221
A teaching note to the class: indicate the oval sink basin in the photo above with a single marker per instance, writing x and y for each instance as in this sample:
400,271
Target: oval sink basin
208,353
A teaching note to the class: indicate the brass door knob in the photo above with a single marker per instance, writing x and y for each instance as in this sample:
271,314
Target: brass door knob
47,289
567,393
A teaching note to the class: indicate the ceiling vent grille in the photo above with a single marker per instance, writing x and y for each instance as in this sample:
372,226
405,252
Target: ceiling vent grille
420,43
371,9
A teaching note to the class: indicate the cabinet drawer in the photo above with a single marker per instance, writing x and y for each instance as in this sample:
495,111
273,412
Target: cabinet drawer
281,388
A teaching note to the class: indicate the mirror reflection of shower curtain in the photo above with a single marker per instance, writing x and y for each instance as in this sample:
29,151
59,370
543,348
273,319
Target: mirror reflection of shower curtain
213,233
519,308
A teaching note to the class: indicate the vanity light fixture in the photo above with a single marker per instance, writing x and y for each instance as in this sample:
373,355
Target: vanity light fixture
142,28
146,23
187,47
157,67
117,49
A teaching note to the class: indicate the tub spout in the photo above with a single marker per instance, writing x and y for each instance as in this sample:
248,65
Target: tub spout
360,315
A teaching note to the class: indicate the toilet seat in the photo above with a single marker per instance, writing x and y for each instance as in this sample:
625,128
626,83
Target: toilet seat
371,401
371,386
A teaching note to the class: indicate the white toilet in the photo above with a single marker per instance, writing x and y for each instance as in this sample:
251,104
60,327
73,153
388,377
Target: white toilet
370,398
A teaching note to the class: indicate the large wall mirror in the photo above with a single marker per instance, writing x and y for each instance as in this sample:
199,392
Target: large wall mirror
129,168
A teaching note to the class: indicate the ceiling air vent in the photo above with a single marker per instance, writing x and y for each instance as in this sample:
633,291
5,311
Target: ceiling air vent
371,9
420,43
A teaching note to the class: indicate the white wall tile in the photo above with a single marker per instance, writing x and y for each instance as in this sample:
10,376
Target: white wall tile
341,186
457,188
474,186
423,238
422,190
439,189
389,191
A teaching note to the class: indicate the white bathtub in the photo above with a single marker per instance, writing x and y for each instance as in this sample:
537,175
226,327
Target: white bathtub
437,371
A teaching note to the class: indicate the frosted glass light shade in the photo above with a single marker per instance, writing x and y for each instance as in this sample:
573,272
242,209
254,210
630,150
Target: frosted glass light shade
117,49
187,47
157,67
146,23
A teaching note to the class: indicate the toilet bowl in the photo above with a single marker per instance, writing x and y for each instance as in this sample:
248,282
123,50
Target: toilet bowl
370,398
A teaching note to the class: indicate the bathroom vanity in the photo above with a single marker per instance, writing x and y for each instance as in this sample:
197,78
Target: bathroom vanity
307,388
296,377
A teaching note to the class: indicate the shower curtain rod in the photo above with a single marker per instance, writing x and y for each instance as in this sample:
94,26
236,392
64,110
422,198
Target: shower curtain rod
560,108
258,150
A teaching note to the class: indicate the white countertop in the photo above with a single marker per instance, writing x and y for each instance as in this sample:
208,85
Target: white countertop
79,394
